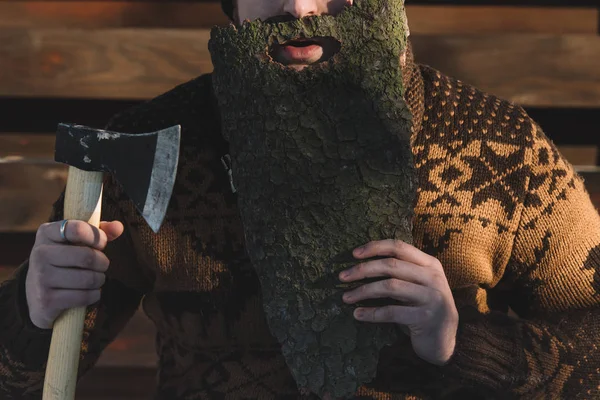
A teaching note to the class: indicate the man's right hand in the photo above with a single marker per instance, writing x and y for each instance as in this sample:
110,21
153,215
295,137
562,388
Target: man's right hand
65,275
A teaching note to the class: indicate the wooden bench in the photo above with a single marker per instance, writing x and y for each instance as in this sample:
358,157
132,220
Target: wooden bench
83,61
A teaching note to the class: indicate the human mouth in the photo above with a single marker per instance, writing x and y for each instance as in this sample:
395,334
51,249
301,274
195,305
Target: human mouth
304,51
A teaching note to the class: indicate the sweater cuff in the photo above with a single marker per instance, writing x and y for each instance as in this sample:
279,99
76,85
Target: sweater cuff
23,340
487,351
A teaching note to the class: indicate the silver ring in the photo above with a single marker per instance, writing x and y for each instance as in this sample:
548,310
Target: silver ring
63,227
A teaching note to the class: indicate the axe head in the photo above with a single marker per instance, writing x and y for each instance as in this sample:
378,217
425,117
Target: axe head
144,164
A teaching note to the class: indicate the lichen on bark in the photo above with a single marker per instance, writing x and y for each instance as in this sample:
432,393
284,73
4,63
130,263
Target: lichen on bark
321,163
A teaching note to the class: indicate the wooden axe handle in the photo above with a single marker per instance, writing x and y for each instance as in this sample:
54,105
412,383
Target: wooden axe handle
83,197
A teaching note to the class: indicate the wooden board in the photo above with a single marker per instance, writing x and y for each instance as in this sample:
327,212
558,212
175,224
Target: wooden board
183,15
29,148
531,70
27,192
560,70
110,14
116,63
478,20
580,155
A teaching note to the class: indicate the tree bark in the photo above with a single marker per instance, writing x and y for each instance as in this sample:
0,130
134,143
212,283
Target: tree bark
322,163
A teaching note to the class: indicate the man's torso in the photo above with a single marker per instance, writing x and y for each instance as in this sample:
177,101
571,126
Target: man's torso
213,340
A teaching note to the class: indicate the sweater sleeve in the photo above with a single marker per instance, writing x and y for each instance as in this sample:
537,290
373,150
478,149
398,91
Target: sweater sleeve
552,350
24,347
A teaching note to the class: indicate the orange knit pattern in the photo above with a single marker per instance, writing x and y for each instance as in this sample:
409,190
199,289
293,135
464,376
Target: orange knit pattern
506,215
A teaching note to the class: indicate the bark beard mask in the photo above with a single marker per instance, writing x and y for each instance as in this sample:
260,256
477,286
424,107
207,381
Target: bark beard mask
322,163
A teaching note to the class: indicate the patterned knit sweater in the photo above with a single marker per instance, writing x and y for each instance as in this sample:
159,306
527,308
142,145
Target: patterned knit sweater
498,205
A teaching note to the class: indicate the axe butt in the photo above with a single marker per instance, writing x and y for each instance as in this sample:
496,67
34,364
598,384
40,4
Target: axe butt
83,198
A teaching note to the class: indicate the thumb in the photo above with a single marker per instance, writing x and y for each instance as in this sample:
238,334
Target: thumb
113,229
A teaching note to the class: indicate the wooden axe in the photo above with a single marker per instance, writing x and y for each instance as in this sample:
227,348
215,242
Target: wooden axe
145,165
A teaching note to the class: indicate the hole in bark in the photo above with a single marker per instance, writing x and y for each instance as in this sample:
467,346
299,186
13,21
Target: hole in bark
304,51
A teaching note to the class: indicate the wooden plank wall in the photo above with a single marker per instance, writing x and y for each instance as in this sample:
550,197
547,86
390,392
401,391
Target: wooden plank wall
82,61
121,50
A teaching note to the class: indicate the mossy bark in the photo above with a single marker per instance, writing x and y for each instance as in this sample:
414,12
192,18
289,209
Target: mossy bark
322,163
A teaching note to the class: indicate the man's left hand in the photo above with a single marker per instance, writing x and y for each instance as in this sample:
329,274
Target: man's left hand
416,279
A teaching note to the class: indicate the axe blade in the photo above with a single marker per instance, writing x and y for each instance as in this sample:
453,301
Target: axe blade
144,164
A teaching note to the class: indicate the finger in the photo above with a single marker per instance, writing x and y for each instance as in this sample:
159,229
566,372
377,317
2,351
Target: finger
73,278
76,232
113,229
62,299
402,315
390,288
397,249
390,267
71,256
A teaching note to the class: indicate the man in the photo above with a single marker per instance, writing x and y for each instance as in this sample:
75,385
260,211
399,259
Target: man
502,222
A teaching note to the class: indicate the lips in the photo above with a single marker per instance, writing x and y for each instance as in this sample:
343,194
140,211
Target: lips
304,51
